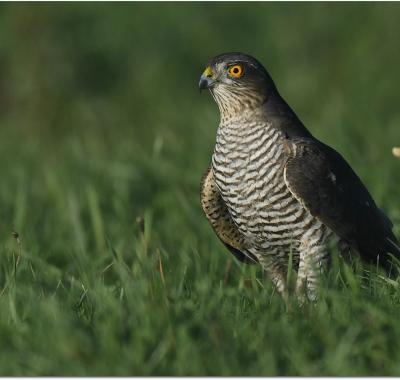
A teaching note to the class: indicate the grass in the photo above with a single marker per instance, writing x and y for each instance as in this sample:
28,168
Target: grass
104,138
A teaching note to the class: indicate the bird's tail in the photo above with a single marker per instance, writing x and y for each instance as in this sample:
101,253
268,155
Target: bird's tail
393,247
393,254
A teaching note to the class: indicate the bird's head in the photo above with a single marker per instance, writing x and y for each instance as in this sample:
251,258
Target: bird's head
236,81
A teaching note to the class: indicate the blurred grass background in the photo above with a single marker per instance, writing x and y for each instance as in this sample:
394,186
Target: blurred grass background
102,130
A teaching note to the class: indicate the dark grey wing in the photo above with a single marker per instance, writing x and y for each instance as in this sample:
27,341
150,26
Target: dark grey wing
321,179
218,215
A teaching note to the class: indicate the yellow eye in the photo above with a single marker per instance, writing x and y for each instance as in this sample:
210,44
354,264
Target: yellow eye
236,71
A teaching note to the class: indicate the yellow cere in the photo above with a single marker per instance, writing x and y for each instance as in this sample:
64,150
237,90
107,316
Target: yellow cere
208,72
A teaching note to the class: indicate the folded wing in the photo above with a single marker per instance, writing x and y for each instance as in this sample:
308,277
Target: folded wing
321,179
218,215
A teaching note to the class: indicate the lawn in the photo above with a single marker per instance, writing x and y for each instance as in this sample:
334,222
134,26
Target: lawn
108,266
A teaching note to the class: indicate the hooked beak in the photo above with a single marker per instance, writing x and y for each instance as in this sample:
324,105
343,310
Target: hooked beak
207,79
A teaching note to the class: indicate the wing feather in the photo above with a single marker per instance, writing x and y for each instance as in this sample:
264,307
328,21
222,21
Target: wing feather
218,215
321,179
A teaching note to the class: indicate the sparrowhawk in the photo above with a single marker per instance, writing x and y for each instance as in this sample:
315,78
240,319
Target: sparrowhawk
273,191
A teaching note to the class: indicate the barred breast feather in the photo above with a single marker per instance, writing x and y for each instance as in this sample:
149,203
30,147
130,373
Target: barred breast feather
248,165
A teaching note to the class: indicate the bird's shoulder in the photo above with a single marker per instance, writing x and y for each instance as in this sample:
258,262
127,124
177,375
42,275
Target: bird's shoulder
321,177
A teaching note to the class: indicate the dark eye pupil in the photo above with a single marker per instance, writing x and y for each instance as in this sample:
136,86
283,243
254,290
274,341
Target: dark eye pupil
235,70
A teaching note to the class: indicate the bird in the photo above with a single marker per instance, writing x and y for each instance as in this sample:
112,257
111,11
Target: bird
274,193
